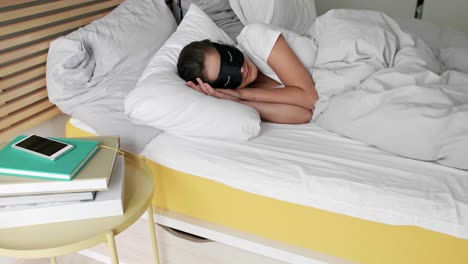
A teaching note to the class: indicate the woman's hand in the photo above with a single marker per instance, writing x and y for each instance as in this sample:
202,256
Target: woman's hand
205,88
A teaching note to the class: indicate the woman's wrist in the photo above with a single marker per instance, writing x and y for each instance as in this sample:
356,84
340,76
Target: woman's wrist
245,94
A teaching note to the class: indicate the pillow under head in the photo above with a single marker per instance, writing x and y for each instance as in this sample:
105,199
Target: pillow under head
162,100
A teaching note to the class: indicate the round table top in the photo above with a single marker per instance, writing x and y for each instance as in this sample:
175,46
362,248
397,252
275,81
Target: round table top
62,238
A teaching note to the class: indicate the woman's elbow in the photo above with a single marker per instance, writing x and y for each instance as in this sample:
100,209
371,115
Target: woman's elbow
307,116
309,97
303,117
309,101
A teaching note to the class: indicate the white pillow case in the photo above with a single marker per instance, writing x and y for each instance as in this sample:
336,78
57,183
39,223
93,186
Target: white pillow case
90,71
69,70
128,37
162,100
117,46
293,15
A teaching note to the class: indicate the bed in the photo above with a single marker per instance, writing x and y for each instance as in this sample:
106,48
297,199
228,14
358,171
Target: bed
364,206
277,228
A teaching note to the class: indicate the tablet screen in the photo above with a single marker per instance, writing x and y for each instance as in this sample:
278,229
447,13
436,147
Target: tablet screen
41,145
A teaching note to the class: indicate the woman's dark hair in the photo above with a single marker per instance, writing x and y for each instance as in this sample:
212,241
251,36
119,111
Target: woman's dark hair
190,64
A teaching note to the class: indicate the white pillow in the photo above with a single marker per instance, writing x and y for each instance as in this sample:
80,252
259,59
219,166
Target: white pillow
91,70
293,15
116,46
162,100
69,69
128,37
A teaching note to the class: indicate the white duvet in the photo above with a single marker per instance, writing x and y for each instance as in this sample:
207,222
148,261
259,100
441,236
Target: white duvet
380,85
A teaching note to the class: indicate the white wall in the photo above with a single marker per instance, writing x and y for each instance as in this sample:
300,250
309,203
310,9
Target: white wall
453,13
395,8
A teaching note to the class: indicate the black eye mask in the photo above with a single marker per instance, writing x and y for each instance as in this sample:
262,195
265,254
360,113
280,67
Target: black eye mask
230,75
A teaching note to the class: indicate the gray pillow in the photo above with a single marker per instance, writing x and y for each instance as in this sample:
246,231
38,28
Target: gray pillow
218,10
91,70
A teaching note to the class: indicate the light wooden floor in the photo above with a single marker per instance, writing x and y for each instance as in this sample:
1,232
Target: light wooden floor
133,244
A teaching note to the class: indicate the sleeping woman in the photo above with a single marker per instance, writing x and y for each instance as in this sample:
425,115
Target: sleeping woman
282,92
371,82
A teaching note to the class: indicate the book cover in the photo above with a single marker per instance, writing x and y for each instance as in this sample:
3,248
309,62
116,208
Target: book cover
106,203
14,162
45,198
94,176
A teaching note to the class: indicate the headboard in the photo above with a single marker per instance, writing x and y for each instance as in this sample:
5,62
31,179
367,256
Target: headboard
26,29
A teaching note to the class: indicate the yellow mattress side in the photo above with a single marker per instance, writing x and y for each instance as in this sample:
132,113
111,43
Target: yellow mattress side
330,233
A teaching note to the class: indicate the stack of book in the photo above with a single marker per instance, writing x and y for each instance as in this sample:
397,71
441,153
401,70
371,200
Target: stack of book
86,182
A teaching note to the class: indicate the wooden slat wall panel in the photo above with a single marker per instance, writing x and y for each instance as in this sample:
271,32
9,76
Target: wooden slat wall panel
23,64
20,90
36,22
25,113
26,29
34,10
18,104
7,3
22,77
18,53
29,122
47,32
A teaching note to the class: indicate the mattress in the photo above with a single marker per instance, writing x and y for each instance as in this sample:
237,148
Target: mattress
314,189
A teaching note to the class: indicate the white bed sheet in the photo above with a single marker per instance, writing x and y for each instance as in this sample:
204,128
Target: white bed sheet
310,166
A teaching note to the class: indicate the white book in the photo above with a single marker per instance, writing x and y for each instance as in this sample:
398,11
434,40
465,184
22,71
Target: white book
106,203
45,198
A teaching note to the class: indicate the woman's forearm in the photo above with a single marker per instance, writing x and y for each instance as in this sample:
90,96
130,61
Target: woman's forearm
288,95
281,113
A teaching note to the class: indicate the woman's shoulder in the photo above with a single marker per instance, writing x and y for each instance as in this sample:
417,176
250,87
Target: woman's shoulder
258,39
254,31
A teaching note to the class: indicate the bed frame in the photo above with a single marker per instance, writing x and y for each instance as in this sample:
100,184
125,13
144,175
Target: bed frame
28,26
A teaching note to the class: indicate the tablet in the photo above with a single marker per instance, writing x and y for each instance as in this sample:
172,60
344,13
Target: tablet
43,147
